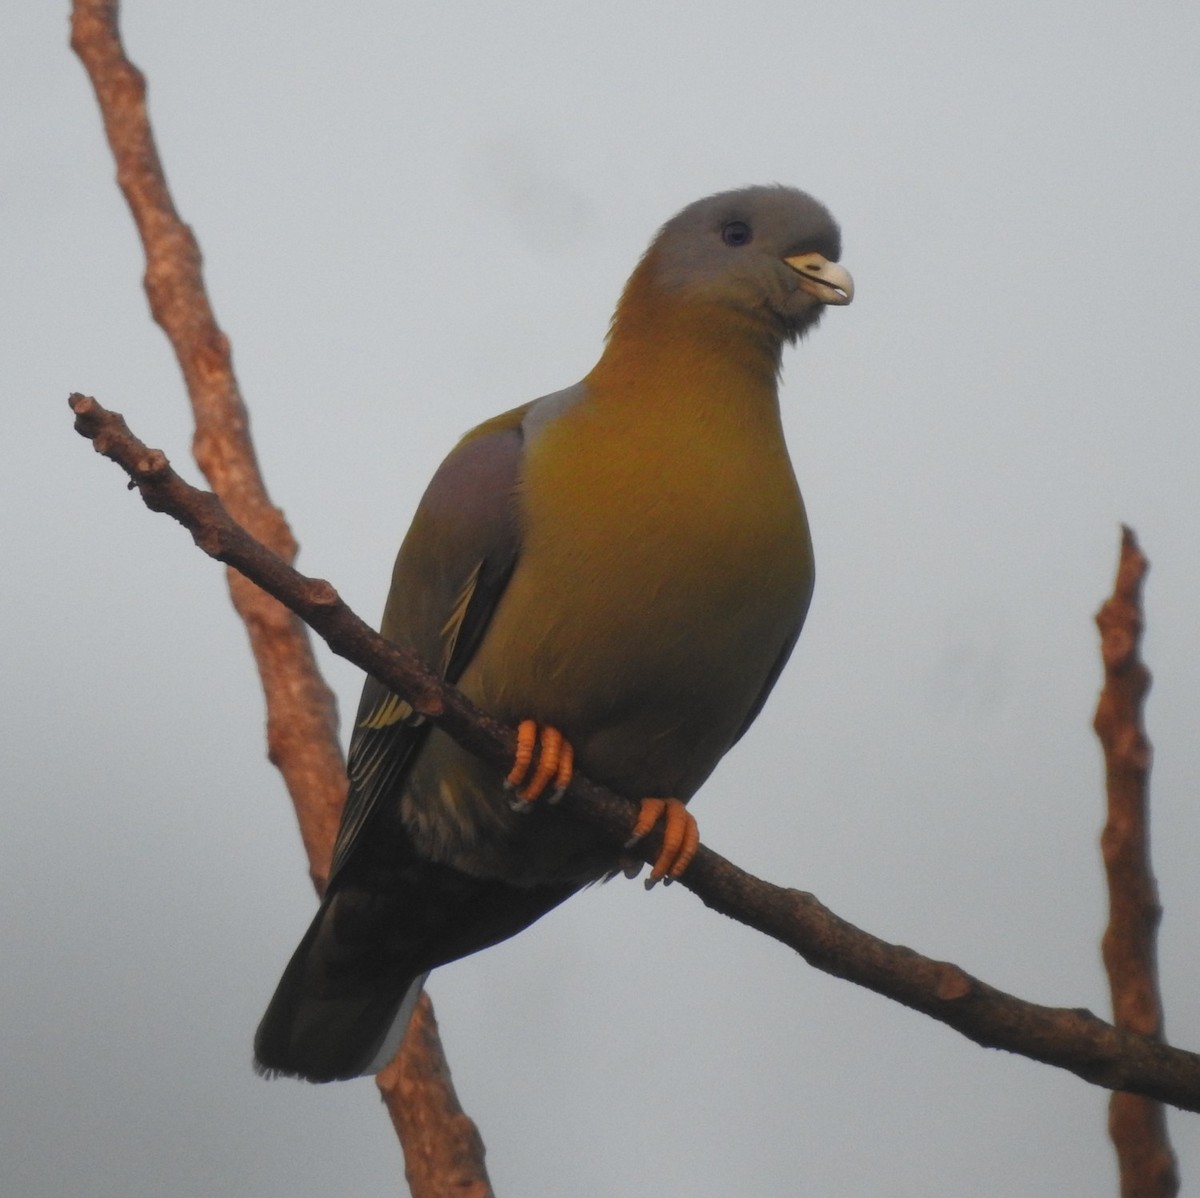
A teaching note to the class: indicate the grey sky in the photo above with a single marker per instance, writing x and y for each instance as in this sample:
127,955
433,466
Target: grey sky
414,216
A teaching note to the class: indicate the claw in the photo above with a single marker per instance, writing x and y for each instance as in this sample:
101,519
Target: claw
631,866
556,762
681,837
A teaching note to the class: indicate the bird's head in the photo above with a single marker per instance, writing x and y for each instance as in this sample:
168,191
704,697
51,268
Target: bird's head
770,253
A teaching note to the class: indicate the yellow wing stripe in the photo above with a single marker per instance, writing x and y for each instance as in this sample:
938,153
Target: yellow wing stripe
454,623
393,710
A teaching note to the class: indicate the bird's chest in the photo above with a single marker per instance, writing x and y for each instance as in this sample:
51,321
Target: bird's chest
658,581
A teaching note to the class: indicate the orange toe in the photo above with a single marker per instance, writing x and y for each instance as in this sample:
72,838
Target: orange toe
565,771
549,751
648,816
526,739
555,762
681,836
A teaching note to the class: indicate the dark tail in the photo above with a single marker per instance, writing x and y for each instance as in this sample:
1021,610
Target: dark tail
337,1001
344,1001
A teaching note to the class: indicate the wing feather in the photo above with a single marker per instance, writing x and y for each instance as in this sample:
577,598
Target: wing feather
450,574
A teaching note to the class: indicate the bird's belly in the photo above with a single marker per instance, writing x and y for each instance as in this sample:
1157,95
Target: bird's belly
652,668
647,643
642,681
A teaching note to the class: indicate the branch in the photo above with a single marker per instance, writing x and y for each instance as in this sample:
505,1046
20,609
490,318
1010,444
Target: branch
1136,1125
302,728
302,724
1075,1040
446,1145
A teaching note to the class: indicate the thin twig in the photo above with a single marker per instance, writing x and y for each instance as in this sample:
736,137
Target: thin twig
302,723
1075,1040
1136,1124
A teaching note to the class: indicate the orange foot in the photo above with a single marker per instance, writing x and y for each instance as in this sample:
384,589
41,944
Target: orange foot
681,837
556,760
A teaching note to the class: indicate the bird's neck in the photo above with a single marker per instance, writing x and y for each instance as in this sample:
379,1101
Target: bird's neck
680,350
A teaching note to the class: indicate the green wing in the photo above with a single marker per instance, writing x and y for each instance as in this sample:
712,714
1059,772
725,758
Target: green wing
450,573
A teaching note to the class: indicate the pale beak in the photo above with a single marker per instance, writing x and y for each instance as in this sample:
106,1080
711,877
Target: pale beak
822,279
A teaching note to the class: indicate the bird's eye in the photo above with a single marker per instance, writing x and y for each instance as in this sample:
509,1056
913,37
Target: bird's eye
737,232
